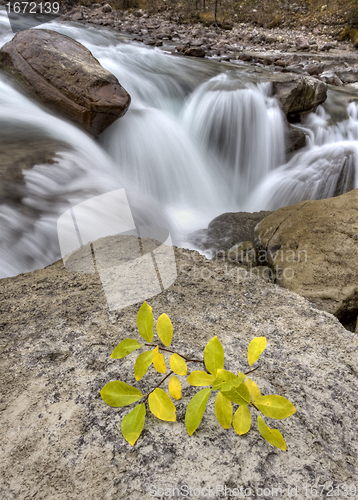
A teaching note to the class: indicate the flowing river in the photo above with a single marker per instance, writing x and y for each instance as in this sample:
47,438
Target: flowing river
200,138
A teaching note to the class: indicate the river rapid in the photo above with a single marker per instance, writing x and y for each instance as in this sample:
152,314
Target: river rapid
200,138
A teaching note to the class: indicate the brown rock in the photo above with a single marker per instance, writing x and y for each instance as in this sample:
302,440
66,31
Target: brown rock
313,247
302,43
298,94
195,52
62,74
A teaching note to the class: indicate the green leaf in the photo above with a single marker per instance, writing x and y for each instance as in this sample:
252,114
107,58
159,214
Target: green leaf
117,394
256,347
223,411
224,376
178,365
165,329
174,387
161,405
237,392
253,389
214,356
242,420
276,407
145,322
124,348
195,410
142,364
133,423
273,436
159,361
200,378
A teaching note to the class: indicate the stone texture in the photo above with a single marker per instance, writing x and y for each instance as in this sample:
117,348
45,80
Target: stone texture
60,440
63,75
317,241
227,230
298,95
302,43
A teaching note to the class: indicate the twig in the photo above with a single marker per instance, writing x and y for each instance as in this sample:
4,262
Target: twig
173,352
160,383
257,367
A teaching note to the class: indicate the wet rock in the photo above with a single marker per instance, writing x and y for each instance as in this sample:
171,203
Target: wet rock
227,230
298,95
326,47
331,79
245,57
315,245
302,43
195,52
314,69
348,76
295,140
62,74
106,8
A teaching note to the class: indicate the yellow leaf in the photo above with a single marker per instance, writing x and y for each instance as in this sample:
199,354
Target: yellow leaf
195,410
273,436
142,364
242,420
145,322
174,387
124,348
200,378
254,390
236,391
178,365
117,394
224,376
276,407
159,361
133,423
256,347
214,356
223,411
165,329
161,405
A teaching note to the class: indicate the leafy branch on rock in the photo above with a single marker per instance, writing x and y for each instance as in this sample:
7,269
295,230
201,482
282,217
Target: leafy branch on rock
231,389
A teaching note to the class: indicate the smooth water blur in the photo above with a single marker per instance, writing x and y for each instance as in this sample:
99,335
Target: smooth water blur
327,167
200,138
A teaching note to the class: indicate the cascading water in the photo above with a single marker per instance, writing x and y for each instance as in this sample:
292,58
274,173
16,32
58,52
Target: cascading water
327,167
199,137
242,128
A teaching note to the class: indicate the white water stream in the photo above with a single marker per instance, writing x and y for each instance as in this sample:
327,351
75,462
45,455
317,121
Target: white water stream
197,141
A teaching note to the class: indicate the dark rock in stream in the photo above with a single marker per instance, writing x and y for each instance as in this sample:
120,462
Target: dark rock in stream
227,230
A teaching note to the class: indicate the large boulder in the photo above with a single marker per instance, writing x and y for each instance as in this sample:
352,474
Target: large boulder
60,440
313,248
63,75
298,94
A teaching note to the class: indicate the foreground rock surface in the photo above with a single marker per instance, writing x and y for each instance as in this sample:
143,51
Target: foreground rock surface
63,75
59,439
313,246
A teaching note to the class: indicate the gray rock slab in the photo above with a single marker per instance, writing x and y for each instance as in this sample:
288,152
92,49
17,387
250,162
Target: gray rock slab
60,440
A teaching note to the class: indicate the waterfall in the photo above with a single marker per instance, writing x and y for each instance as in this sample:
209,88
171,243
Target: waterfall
327,167
240,126
200,138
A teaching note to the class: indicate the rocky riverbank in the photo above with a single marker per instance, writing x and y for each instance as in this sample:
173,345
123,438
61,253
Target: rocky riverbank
319,52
